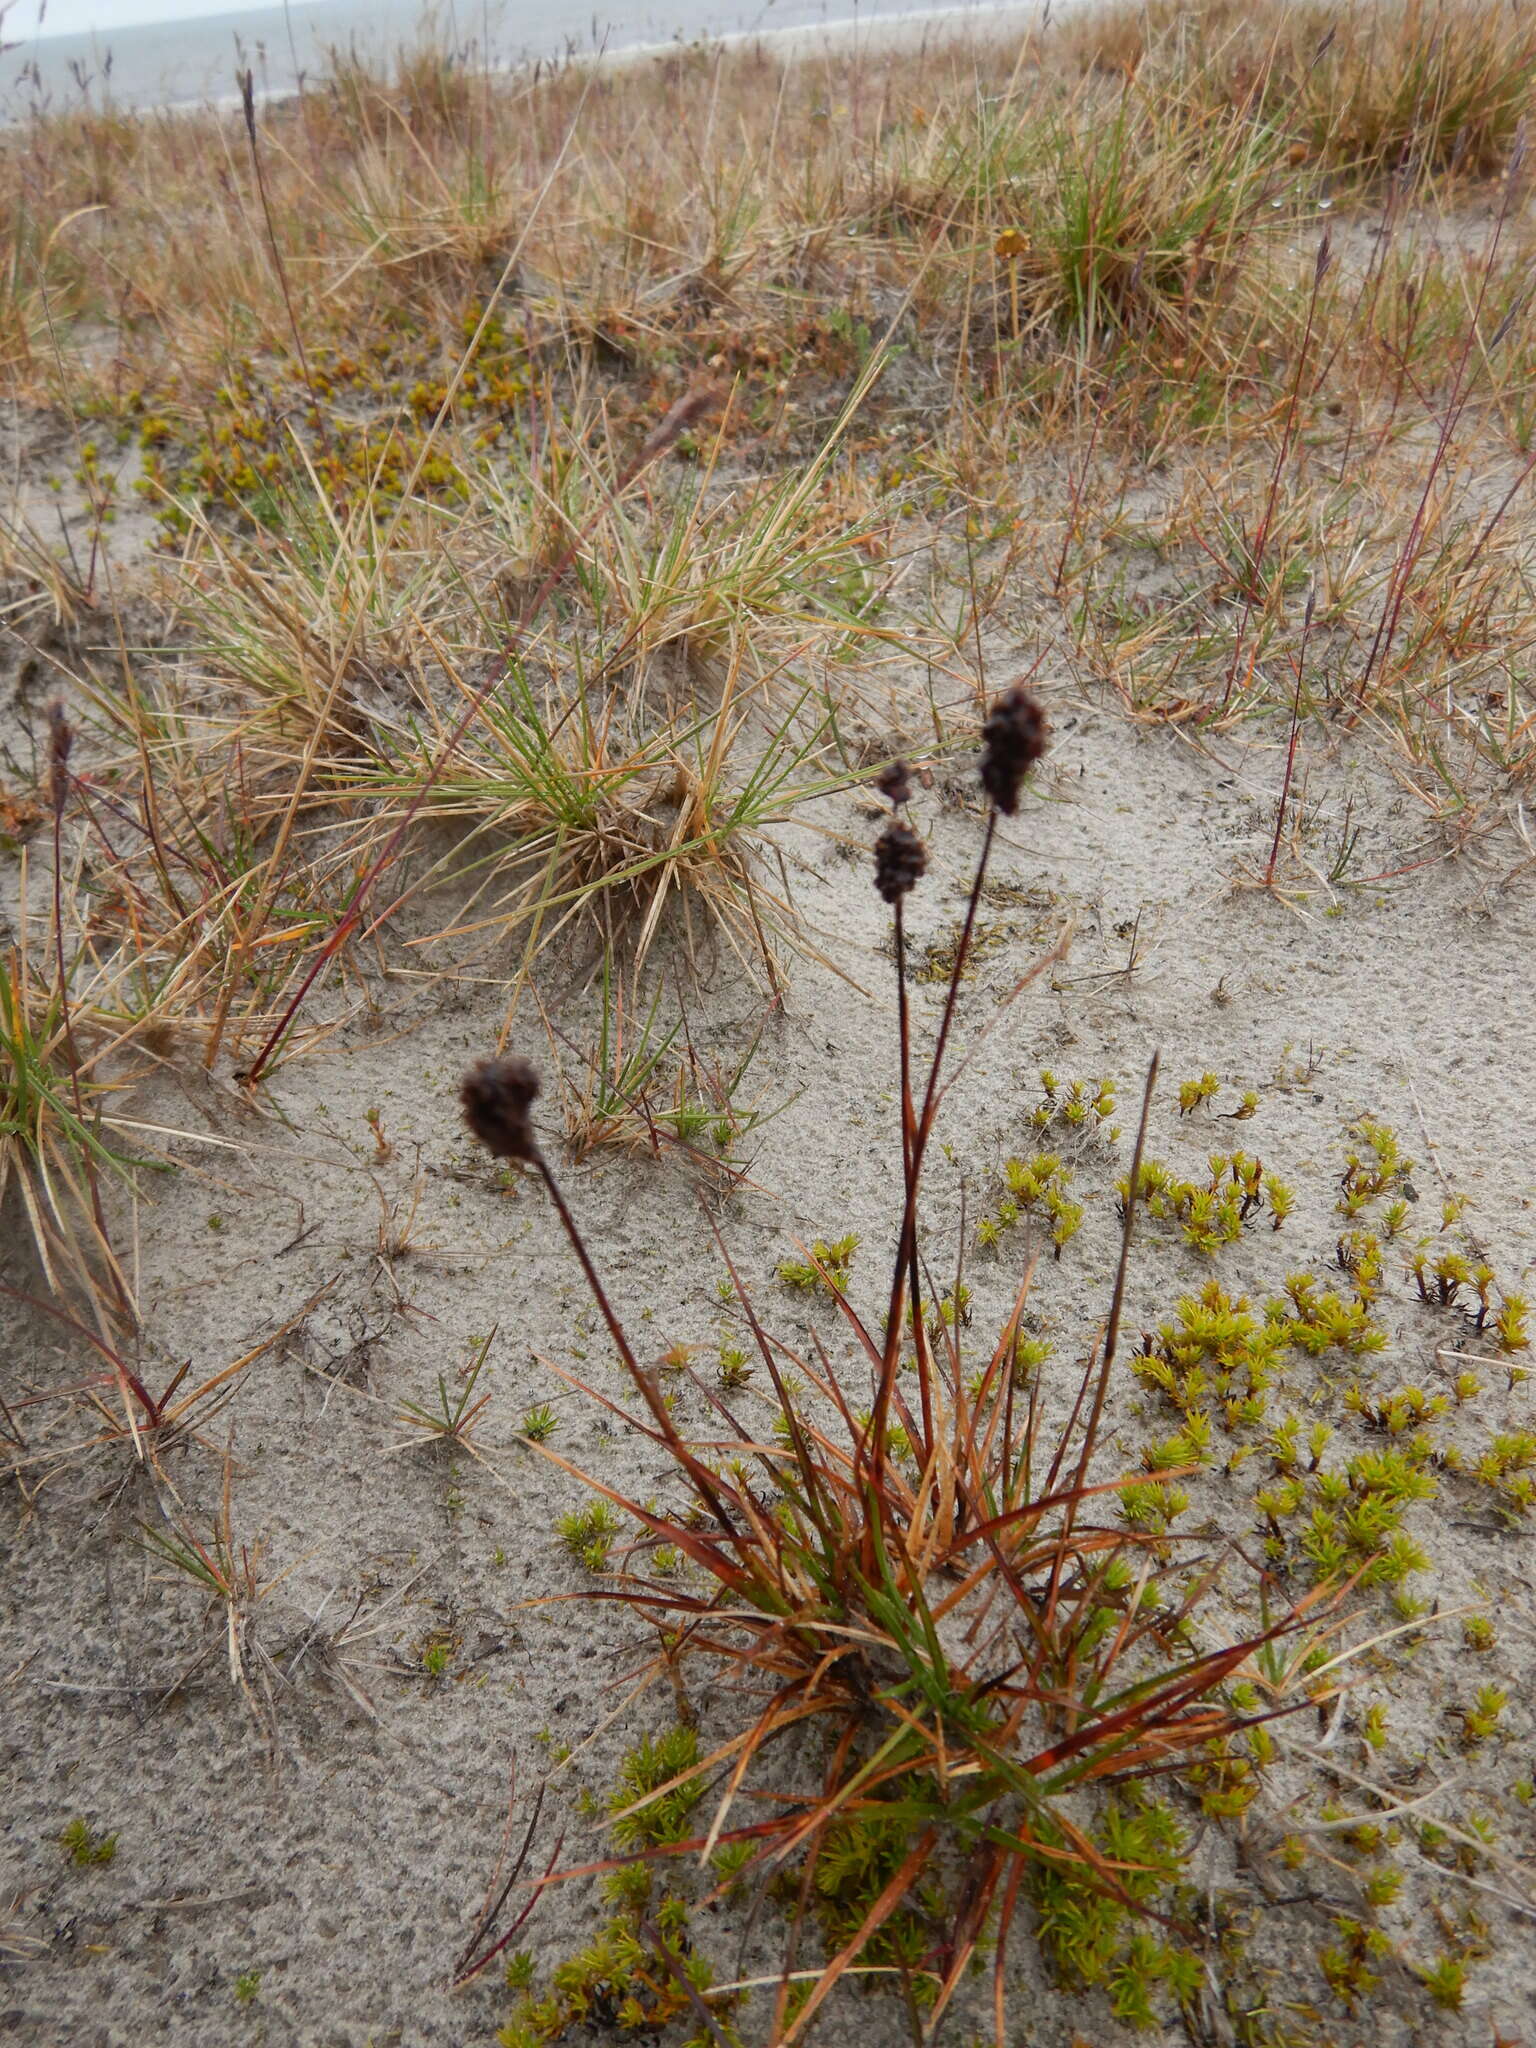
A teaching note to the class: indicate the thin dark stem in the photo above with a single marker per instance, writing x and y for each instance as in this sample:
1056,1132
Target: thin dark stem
1456,404
906,1251
58,795
125,1378
981,664
815,1504
1080,484
594,1284
952,995
1503,506
642,1379
248,105
1105,1366
908,1140
1251,594
1290,752
474,1958
1117,1300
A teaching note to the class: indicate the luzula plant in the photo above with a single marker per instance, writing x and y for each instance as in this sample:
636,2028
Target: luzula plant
918,1566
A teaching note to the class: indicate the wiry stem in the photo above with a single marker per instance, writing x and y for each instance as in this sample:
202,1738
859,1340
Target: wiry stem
642,1379
908,1145
913,1155
61,741
248,108
1252,593
126,1379
1290,752
1111,1342
1456,404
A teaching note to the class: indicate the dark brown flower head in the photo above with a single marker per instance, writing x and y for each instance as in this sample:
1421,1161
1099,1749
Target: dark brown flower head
895,782
61,741
1012,741
497,1096
900,860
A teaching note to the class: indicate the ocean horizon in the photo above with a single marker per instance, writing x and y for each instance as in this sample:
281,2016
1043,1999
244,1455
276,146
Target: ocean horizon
195,62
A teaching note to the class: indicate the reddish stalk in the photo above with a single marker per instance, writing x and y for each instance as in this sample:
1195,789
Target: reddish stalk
124,1377
1290,755
479,1952
61,740
1074,1493
1117,1299
1456,404
908,1142
1282,456
643,1381
906,1253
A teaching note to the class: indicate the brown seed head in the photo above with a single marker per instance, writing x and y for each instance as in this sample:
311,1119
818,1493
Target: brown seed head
895,782
1012,741
901,859
497,1096
61,742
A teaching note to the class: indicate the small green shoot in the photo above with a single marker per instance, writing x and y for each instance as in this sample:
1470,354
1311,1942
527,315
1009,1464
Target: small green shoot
86,1847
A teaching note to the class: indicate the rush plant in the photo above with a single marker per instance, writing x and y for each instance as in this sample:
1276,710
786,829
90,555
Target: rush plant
912,1561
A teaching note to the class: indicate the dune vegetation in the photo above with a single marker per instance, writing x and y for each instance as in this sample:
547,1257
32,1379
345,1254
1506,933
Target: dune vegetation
697,612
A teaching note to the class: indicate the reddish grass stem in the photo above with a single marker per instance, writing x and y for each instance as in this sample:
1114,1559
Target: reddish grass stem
908,1142
906,1253
61,740
1117,1299
1456,404
1251,592
1290,752
643,1381
480,1951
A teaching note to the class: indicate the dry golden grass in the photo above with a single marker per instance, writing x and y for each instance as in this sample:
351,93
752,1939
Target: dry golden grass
549,475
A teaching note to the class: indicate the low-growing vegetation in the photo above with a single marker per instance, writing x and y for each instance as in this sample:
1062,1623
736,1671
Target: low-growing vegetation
984,1419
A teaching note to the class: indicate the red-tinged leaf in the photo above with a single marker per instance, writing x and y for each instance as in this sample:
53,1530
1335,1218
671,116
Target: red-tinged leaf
881,1911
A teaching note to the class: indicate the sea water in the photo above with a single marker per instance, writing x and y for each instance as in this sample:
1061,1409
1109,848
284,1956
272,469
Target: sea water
188,63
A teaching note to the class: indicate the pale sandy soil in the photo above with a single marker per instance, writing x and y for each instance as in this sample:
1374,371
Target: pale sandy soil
346,1869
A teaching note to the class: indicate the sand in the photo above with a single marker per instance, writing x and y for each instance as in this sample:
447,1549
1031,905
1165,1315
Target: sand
346,1870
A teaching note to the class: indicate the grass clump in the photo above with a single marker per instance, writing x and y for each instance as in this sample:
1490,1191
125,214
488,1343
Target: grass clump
588,1534
1428,86
57,1139
1406,89
1136,225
